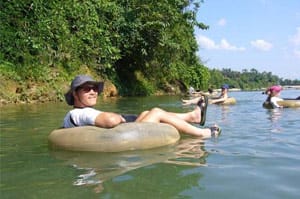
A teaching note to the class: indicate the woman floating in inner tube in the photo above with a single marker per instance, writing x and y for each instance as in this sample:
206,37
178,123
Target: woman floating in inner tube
273,96
83,95
274,100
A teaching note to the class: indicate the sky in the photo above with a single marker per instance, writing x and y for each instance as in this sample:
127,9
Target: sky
246,34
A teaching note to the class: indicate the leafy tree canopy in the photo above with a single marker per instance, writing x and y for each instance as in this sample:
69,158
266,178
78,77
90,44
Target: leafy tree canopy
146,44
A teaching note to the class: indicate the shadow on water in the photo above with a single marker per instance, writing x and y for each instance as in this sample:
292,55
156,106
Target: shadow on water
96,168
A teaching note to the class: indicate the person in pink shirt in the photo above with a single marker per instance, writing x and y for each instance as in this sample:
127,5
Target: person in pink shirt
273,96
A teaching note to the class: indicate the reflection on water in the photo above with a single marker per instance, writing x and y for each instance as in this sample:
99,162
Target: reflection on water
95,168
275,115
224,113
189,151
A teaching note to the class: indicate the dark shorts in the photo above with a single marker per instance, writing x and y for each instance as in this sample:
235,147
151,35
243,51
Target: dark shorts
129,117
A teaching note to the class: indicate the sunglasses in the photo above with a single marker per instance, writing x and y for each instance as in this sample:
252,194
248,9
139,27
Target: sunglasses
88,88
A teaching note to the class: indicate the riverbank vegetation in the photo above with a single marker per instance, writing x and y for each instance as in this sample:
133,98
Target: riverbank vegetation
248,79
140,47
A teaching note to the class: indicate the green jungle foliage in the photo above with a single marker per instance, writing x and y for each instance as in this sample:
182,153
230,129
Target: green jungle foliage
139,45
247,80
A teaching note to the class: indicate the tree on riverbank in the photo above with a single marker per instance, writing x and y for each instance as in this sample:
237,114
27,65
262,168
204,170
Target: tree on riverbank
141,46
247,79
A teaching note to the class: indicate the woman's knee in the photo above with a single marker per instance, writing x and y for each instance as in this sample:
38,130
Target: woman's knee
157,110
144,112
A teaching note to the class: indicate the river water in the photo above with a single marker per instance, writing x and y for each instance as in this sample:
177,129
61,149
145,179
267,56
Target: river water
256,156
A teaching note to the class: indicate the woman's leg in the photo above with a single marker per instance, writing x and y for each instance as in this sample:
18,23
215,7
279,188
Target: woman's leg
179,120
141,116
192,117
